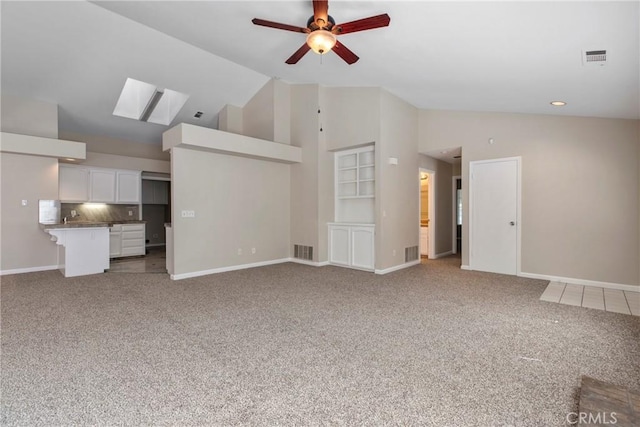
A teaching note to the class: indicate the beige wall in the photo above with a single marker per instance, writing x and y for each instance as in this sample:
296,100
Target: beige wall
304,176
397,186
258,114
579,187
23,244
443,201
119,147
238,203
230,119
123,162
29,117
350,116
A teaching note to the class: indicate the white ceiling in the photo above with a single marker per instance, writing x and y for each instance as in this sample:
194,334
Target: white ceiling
476,56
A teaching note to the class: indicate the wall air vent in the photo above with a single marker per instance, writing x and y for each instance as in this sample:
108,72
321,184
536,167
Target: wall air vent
594,57
303,252
410,253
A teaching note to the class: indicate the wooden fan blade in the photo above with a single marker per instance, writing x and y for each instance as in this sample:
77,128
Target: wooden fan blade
279,26
362,24
321,11
293,59
344,53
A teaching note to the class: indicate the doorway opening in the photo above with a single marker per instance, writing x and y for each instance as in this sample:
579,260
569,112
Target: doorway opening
457,215
427,214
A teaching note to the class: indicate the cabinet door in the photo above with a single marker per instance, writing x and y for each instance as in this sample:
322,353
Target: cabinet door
148,188
115,244
339,245
102,186
362,249
128,187
73,184
161,193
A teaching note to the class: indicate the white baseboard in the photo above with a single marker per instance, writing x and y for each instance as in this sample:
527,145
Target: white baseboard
311,263
465,267
443,254
397,267
225,269
28,270
584,282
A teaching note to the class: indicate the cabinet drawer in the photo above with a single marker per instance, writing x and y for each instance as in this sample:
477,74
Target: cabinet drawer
133,235
135,250
132,227
132,243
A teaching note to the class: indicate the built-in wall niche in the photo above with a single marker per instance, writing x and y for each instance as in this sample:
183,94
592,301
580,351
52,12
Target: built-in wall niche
355,185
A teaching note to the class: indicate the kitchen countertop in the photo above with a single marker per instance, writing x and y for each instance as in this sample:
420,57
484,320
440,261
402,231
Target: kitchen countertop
88,224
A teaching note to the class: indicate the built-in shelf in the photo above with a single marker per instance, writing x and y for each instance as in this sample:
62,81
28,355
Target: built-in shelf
355,173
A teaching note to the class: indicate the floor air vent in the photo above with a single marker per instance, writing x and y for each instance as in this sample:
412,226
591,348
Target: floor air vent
303,252
410,253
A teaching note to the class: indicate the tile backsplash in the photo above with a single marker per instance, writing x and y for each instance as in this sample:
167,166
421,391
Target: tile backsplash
99,212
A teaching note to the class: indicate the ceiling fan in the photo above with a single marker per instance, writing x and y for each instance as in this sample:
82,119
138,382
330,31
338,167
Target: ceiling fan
322,30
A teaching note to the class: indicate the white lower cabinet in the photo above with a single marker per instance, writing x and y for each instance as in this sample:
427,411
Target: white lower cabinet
352,245
126,240
115,243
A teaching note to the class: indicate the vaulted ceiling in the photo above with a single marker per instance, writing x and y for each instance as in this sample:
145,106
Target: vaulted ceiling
475,56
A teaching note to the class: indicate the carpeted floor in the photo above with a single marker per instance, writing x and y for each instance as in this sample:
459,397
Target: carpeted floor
296,345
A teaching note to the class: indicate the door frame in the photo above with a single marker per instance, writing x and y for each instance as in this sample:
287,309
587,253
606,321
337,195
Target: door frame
432,213
454,204
518,160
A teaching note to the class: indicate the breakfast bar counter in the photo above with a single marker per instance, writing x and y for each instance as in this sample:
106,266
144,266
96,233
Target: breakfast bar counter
83,248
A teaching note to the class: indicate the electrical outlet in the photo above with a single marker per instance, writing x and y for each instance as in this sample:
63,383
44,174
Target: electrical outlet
188,214
239,251
253,250
130,213
394,252
24,202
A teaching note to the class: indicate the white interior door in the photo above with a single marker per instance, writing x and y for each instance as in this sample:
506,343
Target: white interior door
494,222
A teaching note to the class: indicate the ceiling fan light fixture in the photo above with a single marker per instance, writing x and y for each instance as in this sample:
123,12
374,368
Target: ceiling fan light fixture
321,41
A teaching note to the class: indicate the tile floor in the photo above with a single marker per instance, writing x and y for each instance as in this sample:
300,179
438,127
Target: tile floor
155,261
613,300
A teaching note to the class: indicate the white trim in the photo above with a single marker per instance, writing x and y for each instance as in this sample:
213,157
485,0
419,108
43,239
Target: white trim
226,269
584,282
311,263
465,267
397,267
443,254
518,160
29,270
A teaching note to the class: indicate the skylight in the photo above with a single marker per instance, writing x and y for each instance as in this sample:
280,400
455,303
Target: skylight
145,102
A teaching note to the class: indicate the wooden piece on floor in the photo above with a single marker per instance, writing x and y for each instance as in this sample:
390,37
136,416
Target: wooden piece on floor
608,404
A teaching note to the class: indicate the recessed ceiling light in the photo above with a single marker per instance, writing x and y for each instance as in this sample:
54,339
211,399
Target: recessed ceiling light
558,103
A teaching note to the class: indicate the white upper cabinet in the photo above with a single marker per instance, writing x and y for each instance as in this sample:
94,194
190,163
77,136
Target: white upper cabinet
128,186
102,185
73,184
155,192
